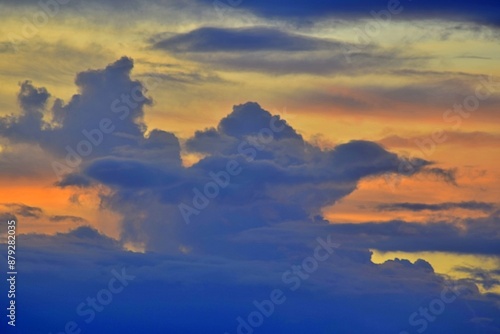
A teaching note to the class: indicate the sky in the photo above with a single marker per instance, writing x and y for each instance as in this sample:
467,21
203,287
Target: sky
237,166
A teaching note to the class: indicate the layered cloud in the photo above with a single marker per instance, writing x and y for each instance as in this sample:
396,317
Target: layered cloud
483,11
471,205
211,208
346,293
213,39
466,236
462,139
225,231
23,211
271,50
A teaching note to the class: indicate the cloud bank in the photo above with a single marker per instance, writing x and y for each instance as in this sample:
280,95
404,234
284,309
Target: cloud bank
253,205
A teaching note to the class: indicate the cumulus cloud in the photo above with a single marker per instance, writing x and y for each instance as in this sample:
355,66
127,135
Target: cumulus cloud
253,204
104,119
480,12
99,89
281,177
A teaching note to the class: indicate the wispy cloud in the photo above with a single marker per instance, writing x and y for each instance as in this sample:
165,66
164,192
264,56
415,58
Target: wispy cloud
470,205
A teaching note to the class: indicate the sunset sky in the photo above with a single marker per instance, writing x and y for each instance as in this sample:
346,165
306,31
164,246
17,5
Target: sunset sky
373,123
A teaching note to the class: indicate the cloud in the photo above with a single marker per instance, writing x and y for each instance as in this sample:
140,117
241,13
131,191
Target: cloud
458,138
447,175
257,196
450,101
81,113
482,11
23,160
487,278
412,73
73,180
438,93
73,219
345,293
270,50
15,210
191,78
32,98
104,119
465,236
128,173
471,205
249,119
283,177
24,210
6,47
213,39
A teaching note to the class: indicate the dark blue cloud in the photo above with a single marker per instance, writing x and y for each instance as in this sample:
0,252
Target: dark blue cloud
359,158
24,210
213,39
167,292
470,205
74,180
31,97
487,278
249,119
482,11
468,236
271,50
128,173
15,210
